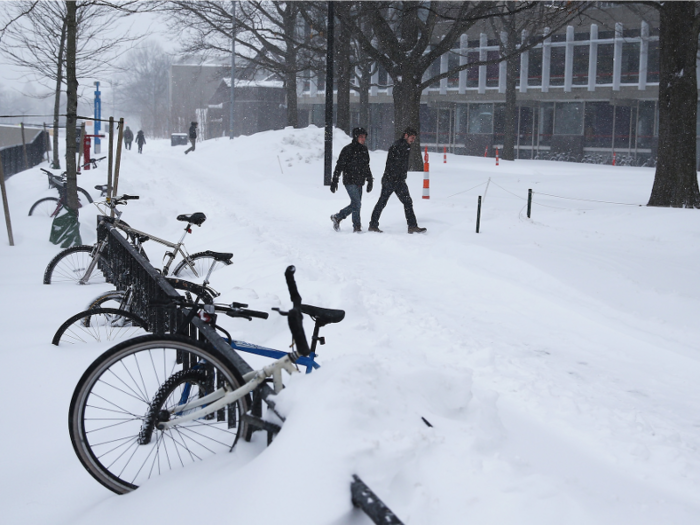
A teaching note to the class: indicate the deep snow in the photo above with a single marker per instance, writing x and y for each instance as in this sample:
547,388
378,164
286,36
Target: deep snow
556,357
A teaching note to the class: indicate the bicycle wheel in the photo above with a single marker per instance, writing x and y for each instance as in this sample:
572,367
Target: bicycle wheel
98,325
111,299
130,386
201,262
45,207
87,195
69,266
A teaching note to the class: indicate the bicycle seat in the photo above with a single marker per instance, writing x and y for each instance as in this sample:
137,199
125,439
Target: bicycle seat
102,188
221,257
196,218
323,316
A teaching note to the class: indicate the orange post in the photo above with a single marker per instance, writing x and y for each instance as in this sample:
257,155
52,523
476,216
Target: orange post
486,151
444,153
426,176
614,158
496,156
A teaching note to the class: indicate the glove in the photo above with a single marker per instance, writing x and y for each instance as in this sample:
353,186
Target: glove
370,185
334,185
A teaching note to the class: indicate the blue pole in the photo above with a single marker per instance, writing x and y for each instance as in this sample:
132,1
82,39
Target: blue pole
98,116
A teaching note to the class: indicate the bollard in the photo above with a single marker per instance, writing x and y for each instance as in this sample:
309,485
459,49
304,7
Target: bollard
478,215
529,202
426,176
614,158
486,151
496,156
444,153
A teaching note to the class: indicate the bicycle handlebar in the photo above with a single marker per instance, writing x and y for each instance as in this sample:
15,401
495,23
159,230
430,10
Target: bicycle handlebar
295,319
237,311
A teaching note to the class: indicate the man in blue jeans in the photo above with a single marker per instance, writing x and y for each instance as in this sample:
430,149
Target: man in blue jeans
394,181
353,163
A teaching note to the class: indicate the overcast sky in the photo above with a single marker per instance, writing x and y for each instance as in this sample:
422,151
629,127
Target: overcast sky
23,83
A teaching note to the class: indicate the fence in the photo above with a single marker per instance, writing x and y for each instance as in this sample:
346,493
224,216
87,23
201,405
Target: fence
12,157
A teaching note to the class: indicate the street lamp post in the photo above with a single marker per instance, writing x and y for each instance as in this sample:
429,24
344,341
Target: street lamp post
328,157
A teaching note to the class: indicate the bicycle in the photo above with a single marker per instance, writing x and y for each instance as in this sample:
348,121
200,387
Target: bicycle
156,403
109,317
87,265
51,206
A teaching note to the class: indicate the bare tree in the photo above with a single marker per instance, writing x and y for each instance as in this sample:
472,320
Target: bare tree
35,34
145,91
276,37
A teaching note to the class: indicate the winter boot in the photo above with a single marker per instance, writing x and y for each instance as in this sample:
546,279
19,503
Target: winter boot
417,229
374,229
336,223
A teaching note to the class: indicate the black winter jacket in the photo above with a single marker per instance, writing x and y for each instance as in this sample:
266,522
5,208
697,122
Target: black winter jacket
396,168
193,131
353,163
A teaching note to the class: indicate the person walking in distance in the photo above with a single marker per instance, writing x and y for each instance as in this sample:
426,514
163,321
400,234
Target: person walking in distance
193,137
394,181
353,163
128,137
140,140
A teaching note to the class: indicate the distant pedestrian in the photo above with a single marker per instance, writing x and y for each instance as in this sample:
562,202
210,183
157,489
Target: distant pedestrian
140,140
128,137
193,137
394,181
353,163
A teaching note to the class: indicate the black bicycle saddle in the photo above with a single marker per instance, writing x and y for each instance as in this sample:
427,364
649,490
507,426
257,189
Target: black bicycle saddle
196,218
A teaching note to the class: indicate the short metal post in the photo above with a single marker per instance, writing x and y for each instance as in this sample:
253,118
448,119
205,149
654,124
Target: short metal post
529,202
5,206
478,215
364,498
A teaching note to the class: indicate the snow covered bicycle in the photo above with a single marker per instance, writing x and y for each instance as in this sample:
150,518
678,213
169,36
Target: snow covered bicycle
157,403
88,265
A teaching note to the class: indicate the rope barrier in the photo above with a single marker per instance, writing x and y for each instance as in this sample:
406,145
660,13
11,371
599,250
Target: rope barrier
588,200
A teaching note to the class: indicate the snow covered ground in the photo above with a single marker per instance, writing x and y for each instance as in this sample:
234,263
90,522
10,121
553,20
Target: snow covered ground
556,357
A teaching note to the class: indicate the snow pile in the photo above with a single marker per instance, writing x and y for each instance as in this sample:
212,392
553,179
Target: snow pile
556,357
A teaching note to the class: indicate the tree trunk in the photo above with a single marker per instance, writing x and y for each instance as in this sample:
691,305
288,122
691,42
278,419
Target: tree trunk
57,99
342,119
676,179
291,90
72,104
407,113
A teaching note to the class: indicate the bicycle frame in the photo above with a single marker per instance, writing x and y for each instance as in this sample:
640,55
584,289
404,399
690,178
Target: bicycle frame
222,396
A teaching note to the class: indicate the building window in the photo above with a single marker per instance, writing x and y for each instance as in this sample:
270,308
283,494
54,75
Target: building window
382,77
492,69
534,73
598,125
605,64
481,118
653,62
624,132
461,123
630,63
568,119
581,57
452,64
645,124
428,124
557,66
546,126
473,72
499,122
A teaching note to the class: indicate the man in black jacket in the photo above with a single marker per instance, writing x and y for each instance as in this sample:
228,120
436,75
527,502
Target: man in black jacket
353,163
394,180
193,137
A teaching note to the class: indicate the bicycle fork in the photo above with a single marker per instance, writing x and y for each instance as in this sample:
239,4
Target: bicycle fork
94,255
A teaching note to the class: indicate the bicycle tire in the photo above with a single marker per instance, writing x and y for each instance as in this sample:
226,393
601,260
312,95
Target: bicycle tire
70,265
87,195
111,299
44,207
113,398
98,325
202,262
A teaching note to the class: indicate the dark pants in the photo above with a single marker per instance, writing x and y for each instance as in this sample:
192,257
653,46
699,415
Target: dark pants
140,147
127,144
401,190
191,148
355,193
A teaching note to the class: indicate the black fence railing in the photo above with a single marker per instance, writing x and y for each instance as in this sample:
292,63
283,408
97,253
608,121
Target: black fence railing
13,157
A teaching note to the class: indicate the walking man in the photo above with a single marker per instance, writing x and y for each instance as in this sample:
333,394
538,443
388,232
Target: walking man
394,181
353,163
193,137
140,140
128,137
